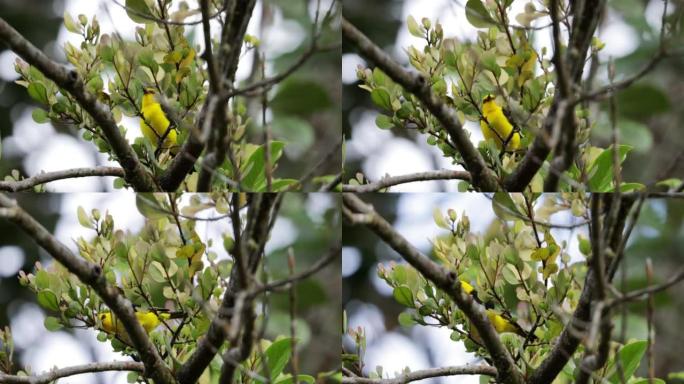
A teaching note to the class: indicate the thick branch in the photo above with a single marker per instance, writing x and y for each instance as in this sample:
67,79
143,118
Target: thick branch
426,374
55,374
42,178
91,274
191,370
447,281
569,339
582,31
69,80
229,53
389,181
482,177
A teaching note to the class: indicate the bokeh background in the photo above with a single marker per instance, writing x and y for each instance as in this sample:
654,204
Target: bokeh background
650,113
368,300
306,114
310,224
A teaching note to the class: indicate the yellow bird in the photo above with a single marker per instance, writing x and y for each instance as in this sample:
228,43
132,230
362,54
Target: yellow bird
193,251
466,287
502,325
496,126
148,320
158,124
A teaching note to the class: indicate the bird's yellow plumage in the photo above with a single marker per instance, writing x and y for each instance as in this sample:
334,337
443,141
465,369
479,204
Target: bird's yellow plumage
466,287
158,124
193,251
501,324
148,320
495,126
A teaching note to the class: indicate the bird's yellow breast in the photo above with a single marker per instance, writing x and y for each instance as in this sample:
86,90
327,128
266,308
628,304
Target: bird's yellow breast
496,127
158,123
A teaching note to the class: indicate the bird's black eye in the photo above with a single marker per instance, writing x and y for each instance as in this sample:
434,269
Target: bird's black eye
102,317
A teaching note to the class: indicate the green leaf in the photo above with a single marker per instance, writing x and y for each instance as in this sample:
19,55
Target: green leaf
148,206
403,295
254,171
414,28
137,10
38,92
119,183
39,116
381,97
83,218
384,121
277,356
642,101
300,97
489,62
146,58
478,15
630,356
629,187
405,319
633,133
52,324
48,300
95,84
439,219
42,279
132,377
299,132
102,336
601,170
504,207
70,24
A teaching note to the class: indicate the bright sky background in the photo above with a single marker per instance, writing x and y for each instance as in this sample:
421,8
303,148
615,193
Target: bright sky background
48,349
46,150
393,350
385,154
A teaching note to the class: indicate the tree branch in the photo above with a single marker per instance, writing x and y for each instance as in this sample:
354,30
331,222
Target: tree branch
334,253
388,181
583,29
507,371
569,339
641,294
259,212
405,378
482,177
56,373
42,178
229,53
69,80
91,274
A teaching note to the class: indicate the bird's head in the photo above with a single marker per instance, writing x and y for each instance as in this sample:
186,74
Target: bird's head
106,320
488,98
148,91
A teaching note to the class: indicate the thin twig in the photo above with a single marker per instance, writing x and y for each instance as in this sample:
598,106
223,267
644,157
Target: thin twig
42,178
405,378
388,181
57,373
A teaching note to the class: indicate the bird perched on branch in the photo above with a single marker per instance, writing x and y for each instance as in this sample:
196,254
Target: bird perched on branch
501,322
497,127
148,319
160,131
